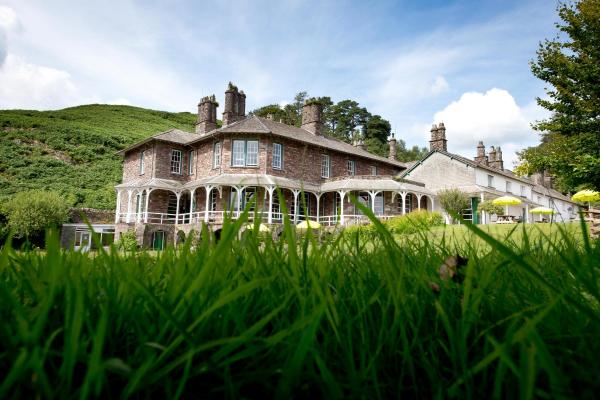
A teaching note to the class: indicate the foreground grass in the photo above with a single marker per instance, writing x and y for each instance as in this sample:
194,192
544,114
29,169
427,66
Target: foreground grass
347,318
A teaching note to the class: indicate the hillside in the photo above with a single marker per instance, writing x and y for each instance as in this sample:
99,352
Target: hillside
72,151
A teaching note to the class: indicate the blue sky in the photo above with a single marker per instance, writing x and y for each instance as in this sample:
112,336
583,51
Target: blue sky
413,62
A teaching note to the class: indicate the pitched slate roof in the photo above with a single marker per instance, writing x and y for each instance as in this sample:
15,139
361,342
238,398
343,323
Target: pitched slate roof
172,136
256,125
253,124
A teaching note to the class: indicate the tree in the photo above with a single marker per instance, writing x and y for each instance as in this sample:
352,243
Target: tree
405,154
489,207
570,64
345,117
30,213
378,128
453,201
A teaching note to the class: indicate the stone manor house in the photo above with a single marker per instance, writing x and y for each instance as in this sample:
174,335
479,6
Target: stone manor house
175,181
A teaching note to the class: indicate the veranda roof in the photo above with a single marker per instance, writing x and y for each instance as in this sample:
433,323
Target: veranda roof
379,184
353,184
153,183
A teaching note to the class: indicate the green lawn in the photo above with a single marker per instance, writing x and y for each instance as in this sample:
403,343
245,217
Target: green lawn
347,318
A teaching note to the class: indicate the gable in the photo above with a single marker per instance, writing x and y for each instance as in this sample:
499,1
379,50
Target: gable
439,171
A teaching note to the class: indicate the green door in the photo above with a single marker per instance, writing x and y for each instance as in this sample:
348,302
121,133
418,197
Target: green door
158,243
474,204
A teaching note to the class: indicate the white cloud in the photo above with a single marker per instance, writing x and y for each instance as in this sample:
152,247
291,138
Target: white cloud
8,22
411,76
25,85
493,117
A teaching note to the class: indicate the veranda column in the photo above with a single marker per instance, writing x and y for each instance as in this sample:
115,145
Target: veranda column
178,194
296,193
118,211
128,217
138,206
270,190
419,196
342,195
318,201
239,190
526,212
403,194
148,191
483,214
207,203
192,194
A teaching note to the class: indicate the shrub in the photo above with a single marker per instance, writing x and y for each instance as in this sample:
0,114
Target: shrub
414,221
30,213
453,201
127,241
489,207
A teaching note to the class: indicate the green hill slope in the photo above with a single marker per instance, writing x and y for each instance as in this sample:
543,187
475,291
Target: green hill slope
72,151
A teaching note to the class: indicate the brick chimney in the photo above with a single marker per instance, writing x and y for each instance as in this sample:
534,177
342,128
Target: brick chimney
499,162
360,144
548,180
392,143
235,105
207,115
481,157
438,138
543,179
492,156
312,121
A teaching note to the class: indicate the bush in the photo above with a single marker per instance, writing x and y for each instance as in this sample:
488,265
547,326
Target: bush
127,241
489,207
30,213
453,201
415,221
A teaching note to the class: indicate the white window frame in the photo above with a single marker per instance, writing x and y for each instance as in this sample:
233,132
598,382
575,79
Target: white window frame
242,159
373,170
191,162
490,181
176,158
249,162
351,167
508,187
325,166
277,162
238,155
523,192
216,163
142,166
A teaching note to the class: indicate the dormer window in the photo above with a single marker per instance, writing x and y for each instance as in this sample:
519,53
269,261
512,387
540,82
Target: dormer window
176,161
